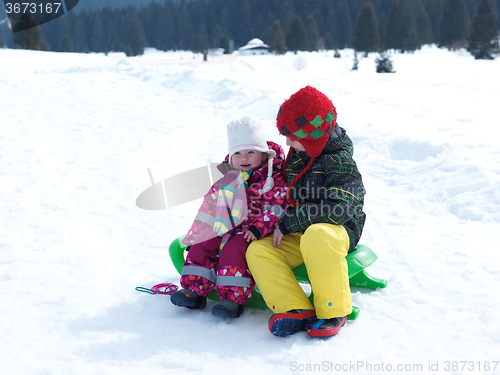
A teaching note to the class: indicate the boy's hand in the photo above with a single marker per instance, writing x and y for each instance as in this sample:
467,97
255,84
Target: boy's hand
277,236
249,236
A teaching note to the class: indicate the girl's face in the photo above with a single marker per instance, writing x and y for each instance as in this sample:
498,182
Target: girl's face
246,160
295,144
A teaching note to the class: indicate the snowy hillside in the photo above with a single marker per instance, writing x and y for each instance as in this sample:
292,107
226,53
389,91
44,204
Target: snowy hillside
78,133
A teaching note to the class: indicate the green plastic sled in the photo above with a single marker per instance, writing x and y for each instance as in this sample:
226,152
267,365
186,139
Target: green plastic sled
357,261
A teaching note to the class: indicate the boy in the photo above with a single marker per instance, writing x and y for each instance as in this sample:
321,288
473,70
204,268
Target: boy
323,225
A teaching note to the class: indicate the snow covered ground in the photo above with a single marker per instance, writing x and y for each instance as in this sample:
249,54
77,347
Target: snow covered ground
78,133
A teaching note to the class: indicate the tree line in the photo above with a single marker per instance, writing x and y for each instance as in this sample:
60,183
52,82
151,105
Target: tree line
285,25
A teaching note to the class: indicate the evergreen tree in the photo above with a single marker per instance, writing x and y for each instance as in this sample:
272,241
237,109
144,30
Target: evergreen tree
366,37
471,6
320,21
312,32
244,31
98,39
1,37
384,63
31,37
65,43
185,26
113,40
330,41
219,38
129,51
287,12
497,12
225,19
344,24
355,62
423,23
135,39
331,30
454,28
259,27
296,36
434,9
401,32
52,32
277,38
269,19
79,36
382,27
198,45
149,17
483,42
166,24
198,13
44,45
216,36
204,35
165,29
121,22
66,27
224,43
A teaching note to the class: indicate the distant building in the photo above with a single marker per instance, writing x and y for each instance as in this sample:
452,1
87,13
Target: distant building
215,51
254,47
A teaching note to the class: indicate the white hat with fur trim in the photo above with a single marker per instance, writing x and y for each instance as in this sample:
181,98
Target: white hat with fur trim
247,134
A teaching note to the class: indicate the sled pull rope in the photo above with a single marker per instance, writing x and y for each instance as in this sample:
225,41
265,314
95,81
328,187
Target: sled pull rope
169,289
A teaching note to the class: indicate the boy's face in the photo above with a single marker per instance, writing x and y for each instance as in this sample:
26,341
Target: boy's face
295,144
246,160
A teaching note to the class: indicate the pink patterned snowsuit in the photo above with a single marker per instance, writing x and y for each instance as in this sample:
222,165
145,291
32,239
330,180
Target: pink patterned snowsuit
219,262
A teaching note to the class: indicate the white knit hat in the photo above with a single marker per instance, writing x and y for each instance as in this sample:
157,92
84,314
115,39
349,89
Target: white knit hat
247,134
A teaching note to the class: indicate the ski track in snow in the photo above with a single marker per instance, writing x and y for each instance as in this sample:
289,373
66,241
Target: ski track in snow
79,131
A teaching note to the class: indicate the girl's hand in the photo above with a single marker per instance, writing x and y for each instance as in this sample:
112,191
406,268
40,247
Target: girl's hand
249,236
277,236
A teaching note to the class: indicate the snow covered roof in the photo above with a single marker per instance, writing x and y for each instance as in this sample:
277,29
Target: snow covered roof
255,43
216,51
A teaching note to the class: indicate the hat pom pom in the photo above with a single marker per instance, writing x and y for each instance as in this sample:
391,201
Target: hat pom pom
269,184
247,121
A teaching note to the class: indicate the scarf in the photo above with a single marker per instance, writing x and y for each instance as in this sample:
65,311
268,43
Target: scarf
231,209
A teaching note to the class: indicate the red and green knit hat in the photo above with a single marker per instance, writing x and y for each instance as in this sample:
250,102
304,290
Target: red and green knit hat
308,117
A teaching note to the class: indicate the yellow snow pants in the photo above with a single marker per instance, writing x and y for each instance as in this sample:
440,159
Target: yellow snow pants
323,248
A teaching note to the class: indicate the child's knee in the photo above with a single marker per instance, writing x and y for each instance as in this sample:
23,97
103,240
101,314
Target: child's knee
259,246
321,233
254,252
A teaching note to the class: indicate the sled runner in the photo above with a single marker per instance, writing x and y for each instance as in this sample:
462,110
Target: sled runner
194,184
